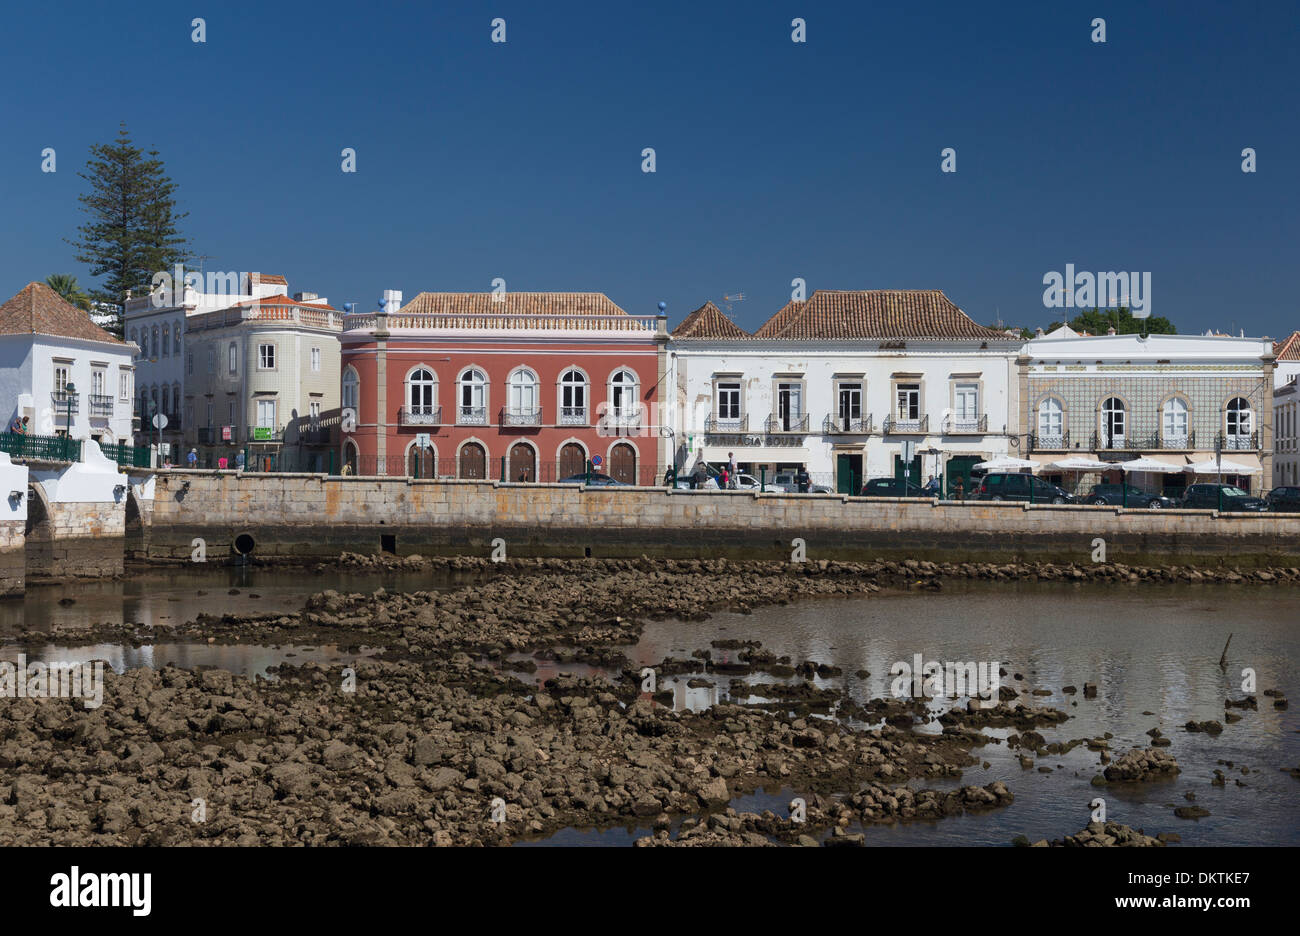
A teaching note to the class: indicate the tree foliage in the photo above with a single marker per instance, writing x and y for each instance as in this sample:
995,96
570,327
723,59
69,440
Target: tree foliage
131,228
66,285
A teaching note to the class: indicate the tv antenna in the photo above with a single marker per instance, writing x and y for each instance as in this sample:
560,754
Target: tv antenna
727,301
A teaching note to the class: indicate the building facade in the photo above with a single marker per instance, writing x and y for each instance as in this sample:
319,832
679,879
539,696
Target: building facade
62,372
515,386
845,385
262,379
1286,434
1179,399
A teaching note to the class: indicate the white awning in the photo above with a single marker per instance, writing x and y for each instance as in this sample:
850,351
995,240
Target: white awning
1007,463
1223,466
1080,463
1150,464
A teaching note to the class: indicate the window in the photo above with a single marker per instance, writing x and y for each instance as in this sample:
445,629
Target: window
315,359
266,356
176,337
728,403
212,361
166,342
313,409
144,343
573,398
135,339
473,398
966,411
189,414
154,344
124,386
266,414
176,399
208,413
789,405
97,380
232,417
623,394
166,400
189,364
232,358
522,398
1051,423
1238,423
1112,422
908,404
1174,423
850,405
421,391
350,394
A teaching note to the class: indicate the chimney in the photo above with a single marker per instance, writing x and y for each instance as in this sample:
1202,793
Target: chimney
1111,330
392,300
304,297
1038,332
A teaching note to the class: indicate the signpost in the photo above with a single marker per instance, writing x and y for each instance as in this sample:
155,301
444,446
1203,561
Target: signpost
909,452
422,442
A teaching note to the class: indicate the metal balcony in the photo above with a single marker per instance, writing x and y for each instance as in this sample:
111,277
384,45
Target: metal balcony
726,426
573,415
521,417
419,415
777,424
100,405
63,398
1049,443
960,425
846,425
471,415
896,426
1228,442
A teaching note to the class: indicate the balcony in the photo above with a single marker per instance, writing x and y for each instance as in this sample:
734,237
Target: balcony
847,425
962,425
1060,442
895,426
1116,442
422,415
471,415
521,417
731,425
208,435
63,398
616,421
777,424
1228,441
573,416
100,405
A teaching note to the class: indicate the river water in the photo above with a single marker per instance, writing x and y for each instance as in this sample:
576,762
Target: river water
1148,649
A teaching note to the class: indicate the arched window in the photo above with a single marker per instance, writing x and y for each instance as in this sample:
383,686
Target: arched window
166,341
623,394
1173,423
421,392
521,401
1239,423
1112,423
144,343
166,400
351,386
472,409
135,340
176,337
154,345
176,400
232,355
573,398
1051,424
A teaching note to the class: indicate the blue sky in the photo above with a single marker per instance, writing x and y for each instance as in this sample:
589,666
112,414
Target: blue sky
774,159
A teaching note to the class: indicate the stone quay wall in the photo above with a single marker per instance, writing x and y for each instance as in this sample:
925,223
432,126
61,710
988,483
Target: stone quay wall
301,515
13,557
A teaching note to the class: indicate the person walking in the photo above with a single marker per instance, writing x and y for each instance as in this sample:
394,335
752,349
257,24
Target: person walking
192,459
670,477
725,478
701,475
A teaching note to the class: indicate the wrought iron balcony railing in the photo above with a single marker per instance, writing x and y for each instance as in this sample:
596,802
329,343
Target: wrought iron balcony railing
1052,442
100,405
421,415
573,415
521,417
841,425
777,424
896,426
966,425
728,425
471,415
1237,441
63,398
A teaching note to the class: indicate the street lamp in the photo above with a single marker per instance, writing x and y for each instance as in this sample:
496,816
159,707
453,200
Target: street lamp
68,390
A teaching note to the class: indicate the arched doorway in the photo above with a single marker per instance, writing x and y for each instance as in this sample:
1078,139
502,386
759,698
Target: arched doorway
523,463
350,457
473,461
421,462
622,463
573,460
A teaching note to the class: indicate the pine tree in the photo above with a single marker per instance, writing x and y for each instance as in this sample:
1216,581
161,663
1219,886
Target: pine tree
131,230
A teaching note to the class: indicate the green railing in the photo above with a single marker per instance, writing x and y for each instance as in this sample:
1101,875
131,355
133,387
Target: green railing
44,448
126,454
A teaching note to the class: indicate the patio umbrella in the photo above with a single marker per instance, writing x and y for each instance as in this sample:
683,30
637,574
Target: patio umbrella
1150,464
1224,466
1079,463
1006,463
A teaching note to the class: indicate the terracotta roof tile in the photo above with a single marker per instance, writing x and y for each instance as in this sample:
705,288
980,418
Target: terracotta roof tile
1288,349
513,303
271,279
285,301
876,313
708,321
39,310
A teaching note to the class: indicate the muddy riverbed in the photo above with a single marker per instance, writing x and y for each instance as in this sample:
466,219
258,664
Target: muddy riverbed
421,705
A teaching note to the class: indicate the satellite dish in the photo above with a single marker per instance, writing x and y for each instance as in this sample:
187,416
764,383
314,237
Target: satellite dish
160,422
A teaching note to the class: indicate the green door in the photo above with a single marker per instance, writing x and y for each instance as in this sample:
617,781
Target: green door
848,473
959,467
914,469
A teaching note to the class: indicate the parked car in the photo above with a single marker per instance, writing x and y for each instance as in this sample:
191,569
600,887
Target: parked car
892,487
1284,499
595,479
788,481
1016,486
1121,494
1225,497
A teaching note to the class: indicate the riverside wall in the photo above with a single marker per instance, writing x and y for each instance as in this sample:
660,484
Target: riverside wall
304,516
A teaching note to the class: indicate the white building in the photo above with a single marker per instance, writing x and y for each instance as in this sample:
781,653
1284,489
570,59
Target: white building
839,383
1286,365
1286,435
57,366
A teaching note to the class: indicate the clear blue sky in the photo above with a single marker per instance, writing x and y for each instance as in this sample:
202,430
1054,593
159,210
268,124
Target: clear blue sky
775,159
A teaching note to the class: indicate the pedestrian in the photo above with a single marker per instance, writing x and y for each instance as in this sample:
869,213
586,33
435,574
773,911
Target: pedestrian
16,426
239,461
192,459
347,468
25,426
932,486
803,480
961,489
670,477
725,478
731,464
701,475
